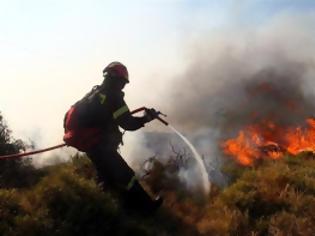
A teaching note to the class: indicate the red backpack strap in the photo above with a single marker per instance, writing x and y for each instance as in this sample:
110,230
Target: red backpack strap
70,122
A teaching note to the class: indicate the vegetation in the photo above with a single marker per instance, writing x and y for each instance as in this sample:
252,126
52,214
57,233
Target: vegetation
14,173
273,198
66,200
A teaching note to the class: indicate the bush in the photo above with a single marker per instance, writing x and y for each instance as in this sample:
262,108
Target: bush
9,211
275,198
15,173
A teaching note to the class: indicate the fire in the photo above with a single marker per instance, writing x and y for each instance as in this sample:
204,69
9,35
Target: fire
269,140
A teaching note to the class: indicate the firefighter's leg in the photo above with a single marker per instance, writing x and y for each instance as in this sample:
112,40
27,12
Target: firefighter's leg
136,198
108,167
115,172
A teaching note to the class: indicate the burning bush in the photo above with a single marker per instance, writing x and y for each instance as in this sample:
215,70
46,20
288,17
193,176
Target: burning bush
164,177
269,140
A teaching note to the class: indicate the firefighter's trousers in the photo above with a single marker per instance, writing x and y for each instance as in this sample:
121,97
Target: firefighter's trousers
115,173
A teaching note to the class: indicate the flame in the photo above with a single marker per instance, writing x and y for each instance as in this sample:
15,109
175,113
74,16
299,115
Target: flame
269,140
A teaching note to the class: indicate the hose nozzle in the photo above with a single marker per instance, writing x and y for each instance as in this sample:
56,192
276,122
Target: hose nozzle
158,113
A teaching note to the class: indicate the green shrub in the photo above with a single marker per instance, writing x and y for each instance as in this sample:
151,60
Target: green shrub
15,173
9,210
74,204
259,201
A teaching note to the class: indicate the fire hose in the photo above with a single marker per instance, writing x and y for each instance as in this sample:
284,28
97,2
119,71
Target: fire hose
24,154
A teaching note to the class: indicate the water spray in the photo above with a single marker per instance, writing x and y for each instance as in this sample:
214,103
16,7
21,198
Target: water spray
204,174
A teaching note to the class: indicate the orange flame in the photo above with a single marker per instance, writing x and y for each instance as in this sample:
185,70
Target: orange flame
268,140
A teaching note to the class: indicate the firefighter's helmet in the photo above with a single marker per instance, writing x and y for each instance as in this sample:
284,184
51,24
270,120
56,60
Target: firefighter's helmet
116,70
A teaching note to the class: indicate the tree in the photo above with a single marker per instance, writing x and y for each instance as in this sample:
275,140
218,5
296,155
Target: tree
14,173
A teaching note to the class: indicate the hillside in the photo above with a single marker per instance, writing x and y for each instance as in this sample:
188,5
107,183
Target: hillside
274,198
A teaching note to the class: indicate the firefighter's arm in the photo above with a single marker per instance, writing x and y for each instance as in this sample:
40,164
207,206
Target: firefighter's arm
129,122
124,118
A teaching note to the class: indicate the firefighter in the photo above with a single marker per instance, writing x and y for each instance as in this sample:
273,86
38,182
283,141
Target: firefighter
92,126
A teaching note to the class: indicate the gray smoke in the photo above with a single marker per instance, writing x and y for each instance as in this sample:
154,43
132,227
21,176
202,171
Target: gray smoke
237,77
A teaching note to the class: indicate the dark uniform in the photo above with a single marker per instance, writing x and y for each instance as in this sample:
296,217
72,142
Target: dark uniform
103,110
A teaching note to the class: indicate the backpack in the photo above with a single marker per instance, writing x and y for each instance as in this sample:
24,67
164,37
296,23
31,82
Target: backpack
82,139
76,136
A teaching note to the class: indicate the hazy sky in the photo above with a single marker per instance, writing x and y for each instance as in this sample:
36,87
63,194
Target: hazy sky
53,51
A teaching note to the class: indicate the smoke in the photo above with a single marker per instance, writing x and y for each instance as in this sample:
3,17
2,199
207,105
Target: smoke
231,74
241,76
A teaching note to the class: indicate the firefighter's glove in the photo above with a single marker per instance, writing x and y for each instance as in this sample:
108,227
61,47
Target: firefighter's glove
150,114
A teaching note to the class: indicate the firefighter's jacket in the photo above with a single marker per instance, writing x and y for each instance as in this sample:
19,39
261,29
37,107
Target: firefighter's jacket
98,115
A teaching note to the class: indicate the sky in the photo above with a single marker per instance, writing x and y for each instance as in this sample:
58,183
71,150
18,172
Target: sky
52,52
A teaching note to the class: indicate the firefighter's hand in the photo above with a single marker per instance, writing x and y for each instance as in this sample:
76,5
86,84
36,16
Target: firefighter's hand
150,114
